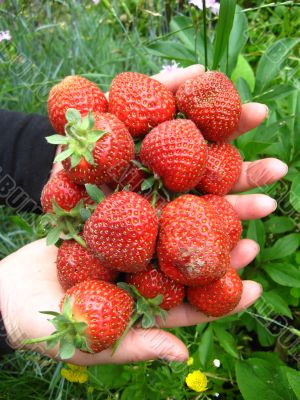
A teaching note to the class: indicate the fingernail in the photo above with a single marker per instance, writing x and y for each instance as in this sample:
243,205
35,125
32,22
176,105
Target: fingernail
286,169
275,204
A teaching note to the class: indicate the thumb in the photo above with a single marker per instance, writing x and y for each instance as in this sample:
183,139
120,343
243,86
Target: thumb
139,345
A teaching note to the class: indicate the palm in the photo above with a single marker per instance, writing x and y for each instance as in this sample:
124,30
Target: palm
29,283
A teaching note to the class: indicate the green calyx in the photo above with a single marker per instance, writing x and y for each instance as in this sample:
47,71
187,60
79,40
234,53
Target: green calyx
79,140
69,223
146,311
69,334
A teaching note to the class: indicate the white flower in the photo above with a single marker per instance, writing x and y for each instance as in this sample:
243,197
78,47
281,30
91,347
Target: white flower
5,35
96,1
174,66
217,394
217,363
212,4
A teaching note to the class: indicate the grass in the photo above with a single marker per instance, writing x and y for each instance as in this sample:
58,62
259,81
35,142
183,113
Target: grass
53,39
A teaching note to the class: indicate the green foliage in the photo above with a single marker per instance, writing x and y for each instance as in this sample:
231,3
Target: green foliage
259,349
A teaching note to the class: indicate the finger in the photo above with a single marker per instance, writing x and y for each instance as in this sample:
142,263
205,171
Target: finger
172,80
244,252
139,345
252,206
186,315
260,173
253,114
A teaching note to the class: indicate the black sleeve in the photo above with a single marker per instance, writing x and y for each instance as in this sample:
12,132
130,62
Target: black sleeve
25,159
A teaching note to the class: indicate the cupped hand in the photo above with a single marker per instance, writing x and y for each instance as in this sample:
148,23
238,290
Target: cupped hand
28,282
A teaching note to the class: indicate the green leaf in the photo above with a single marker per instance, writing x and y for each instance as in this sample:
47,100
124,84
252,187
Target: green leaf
148,321
66,349
225,22
244,70
270,63
226,340
148,183
256,231
284,274
284,247
260,379
172,51
73,116
295,193
275,92
184,30
53,236
243,89
238,38
104,376
95,193
57,139
293,378
63,155
205,347
280,224
278,304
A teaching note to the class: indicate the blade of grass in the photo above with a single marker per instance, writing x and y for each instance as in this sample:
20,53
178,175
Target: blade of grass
225,22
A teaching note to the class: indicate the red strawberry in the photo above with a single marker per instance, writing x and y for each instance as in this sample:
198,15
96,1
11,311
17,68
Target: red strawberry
219,297
74,92
122,232
97,148
94,315
193,247
140,102
153,282
229,216
63,192
213,103
131,179
176,152
224,165
75,264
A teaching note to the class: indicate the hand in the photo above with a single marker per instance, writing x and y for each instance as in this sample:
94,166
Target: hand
28,282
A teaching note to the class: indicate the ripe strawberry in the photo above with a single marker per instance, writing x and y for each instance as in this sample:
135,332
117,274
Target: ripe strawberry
176,152
122,232
76,264
65,193
131,179
224,165
94,315
140,102
96,149
193,247
213,103
229,217
153,282
74,92
219,297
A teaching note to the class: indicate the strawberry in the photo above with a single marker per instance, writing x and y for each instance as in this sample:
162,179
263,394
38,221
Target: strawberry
229,216
94,315
224,165
76,264
131,179
96,149
122,232
153,282
74,92
65,193
176,152
193,247
213,103
218,298
140,102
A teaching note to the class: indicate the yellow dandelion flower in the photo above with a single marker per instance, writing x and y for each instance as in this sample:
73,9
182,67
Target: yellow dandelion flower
74,373
190,361
196,381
